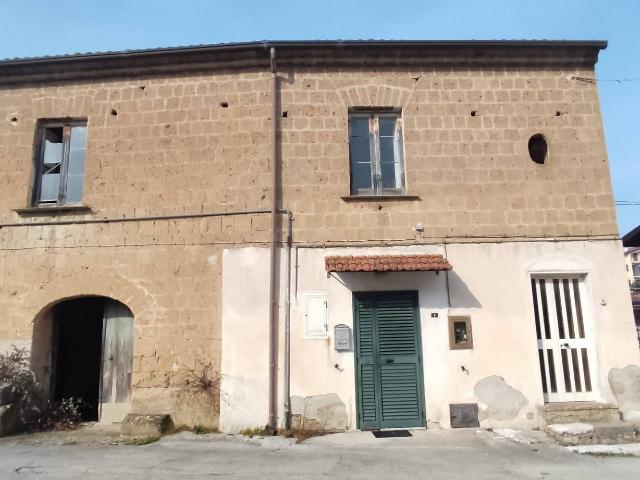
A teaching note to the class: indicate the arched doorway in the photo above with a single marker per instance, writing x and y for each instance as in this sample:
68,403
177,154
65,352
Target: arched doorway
91,355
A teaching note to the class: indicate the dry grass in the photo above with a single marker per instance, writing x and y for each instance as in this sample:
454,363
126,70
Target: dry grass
302,434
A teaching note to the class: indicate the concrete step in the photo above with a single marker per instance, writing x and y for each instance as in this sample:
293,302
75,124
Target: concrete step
610,433
580,412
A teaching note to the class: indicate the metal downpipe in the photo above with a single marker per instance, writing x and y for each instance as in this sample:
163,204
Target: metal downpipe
287,328
273,270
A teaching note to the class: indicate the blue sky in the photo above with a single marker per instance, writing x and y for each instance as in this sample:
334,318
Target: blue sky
34,28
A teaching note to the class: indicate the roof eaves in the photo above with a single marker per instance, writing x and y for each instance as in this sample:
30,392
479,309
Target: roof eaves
315,53
632,238
598,44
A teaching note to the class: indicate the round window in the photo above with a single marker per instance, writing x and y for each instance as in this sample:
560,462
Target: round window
538,148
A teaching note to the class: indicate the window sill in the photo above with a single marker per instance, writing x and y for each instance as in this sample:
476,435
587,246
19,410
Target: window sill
53,210
384,198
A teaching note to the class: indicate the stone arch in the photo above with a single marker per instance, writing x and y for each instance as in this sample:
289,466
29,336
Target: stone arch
374,95
131,293
90,336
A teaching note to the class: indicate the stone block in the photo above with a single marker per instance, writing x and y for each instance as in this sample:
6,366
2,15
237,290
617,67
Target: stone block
613,433
140,424
625,385
579,412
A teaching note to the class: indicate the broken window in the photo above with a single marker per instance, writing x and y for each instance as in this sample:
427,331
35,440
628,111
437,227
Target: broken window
376,152
59,169
460,333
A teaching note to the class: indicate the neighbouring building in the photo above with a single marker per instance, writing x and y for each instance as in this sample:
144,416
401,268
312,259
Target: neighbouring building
444,245
632,260
632,263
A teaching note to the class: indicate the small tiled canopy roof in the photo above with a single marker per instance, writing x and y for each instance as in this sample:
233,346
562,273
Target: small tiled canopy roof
386,263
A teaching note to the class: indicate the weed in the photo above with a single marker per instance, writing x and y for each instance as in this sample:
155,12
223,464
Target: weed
254,432
201,430
62,415
302,434
141,440
17,377
20,381
203,380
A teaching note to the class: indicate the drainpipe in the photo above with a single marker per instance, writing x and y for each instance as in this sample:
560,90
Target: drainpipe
273,271
287,330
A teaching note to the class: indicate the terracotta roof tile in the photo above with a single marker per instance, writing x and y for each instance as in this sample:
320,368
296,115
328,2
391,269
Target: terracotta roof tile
386,263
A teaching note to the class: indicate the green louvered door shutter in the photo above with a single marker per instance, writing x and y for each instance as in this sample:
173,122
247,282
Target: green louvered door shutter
389,369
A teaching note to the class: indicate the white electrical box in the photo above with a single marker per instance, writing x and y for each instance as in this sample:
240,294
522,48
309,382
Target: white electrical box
315,314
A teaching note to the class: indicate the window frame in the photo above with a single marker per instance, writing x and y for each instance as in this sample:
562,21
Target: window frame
452,338
67,124
374,115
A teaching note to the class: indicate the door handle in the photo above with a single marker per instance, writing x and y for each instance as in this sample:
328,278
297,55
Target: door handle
388,360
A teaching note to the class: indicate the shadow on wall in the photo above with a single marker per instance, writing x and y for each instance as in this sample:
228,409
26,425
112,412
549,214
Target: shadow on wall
432,286
459,294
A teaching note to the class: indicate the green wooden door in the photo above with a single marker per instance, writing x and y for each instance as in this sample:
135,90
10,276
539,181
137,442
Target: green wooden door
388,360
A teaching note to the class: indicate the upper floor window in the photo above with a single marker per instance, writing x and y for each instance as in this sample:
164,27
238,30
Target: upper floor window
376,152
59,162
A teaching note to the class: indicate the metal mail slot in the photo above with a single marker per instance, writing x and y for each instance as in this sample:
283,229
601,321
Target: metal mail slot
342,338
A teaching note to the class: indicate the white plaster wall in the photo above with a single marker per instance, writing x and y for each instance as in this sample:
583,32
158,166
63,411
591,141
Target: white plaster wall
490,282
245,333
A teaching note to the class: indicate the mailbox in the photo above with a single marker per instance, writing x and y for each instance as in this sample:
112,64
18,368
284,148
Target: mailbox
342,338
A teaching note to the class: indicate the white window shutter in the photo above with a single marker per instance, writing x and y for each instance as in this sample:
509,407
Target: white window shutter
315,315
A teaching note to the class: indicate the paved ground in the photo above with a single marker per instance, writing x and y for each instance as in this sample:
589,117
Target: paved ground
457,454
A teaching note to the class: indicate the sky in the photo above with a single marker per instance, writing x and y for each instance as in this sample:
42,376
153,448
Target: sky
44,27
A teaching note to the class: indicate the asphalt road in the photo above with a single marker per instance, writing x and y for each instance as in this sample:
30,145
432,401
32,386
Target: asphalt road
446,454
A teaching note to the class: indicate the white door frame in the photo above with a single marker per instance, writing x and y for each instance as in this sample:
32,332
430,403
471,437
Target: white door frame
554,348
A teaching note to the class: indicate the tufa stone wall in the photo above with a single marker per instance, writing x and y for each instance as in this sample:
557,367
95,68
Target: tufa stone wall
201,142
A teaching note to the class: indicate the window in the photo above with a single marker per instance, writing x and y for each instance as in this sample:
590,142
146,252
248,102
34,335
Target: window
375,152
460,336
636,269
59,164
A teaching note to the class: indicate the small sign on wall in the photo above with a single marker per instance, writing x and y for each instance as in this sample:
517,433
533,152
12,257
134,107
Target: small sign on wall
342,338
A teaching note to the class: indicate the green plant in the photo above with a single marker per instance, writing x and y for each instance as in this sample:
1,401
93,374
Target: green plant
141,440
16,375
62,415
254,432
19,379
201,430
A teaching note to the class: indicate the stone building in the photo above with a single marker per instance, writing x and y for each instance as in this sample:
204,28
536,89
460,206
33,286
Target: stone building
444,236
